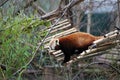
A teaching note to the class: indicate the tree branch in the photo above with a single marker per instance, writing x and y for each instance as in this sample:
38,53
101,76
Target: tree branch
2,3
59,10
39,9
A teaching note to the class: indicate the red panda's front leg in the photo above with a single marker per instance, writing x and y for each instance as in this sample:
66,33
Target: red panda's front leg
67,55
66,58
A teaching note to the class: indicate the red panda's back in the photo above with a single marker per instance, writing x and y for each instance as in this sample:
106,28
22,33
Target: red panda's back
76,40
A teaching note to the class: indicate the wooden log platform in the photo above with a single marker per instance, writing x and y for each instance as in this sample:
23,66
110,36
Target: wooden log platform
63,28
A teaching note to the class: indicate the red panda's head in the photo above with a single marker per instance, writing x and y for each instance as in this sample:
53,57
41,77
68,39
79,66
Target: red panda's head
54,44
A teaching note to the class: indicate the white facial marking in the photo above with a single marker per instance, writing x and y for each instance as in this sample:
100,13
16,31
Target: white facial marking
53,43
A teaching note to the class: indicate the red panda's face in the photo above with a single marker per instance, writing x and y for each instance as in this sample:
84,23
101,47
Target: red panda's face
54,43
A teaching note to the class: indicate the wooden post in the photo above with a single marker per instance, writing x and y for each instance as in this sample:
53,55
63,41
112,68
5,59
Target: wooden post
89,22
118,14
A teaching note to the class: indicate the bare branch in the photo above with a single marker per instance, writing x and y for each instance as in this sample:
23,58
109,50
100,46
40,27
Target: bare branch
58,11
75,2
2,3
39,9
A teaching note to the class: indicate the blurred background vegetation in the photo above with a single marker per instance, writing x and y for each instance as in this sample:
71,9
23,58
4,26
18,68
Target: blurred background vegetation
21,31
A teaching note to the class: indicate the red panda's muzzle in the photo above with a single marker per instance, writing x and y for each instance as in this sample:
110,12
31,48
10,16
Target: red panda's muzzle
57,47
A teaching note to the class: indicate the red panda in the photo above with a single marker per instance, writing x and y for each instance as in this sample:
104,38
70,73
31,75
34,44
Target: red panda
78,41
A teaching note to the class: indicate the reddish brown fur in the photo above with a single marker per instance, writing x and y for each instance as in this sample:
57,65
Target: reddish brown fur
78,41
